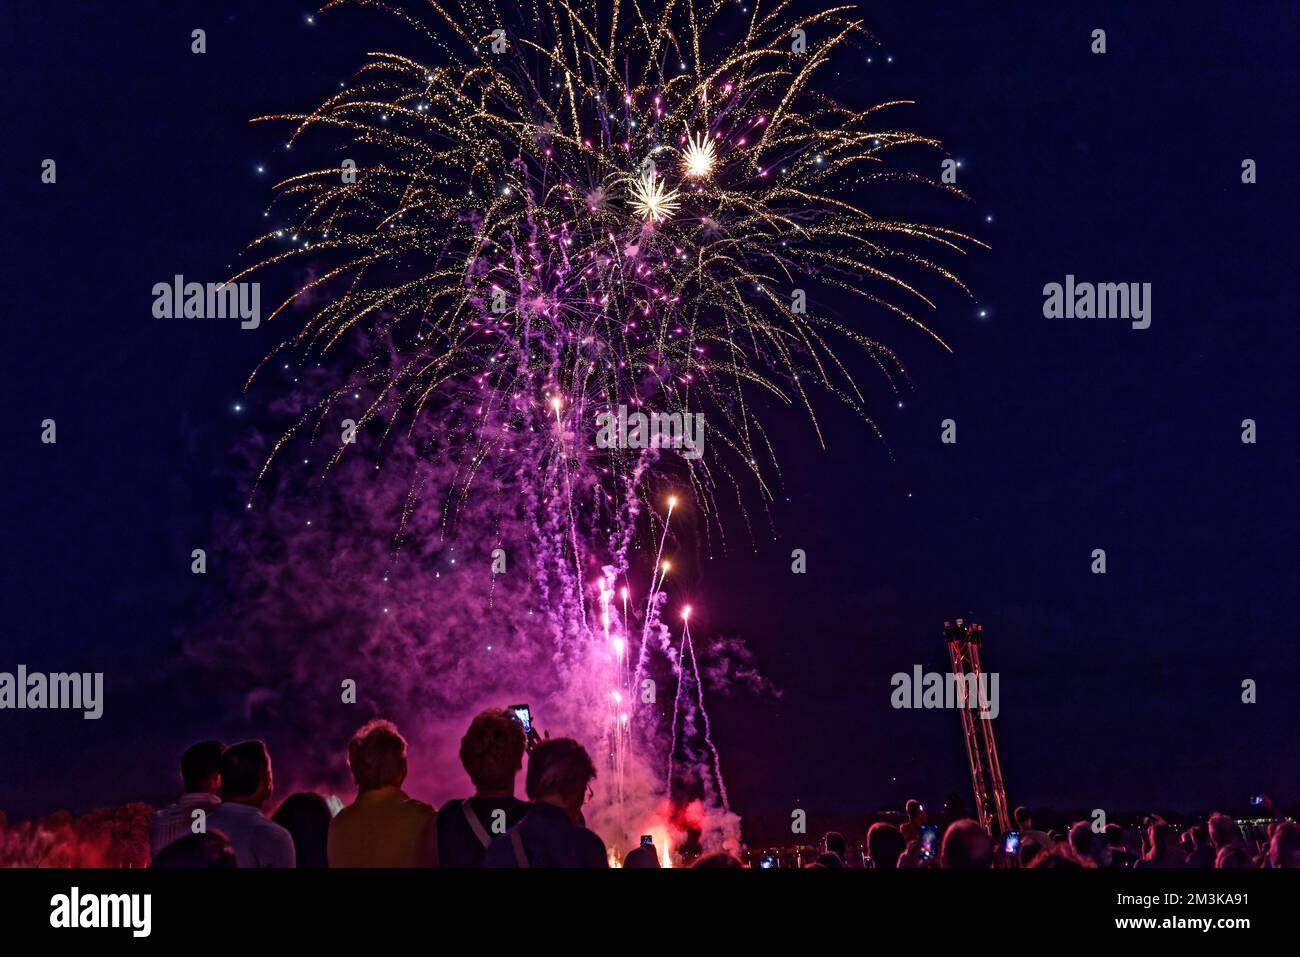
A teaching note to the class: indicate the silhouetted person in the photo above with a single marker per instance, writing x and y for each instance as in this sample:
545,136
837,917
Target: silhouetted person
1033,843
1201,852
1224,832
383,827
1120,856
966,845
916,817
1058,858
1234,856
1088,846
492,752
835,850
1025,825
884,843
201,778
551,835
207,850
912,856
718,859
1284,848
1164,850
643,855
306,816
246,784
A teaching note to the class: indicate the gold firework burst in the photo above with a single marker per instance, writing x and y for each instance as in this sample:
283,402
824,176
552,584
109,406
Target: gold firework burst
698,157
493,244
651,198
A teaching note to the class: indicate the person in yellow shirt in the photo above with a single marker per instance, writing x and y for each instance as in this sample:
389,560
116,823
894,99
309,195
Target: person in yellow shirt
383,827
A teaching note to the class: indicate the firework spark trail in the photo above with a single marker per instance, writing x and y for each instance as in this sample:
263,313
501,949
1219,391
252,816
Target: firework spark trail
688,673
651,602
606,206
677,706
568,505
689,647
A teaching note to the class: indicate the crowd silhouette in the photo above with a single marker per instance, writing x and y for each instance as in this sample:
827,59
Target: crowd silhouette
220,821
965,845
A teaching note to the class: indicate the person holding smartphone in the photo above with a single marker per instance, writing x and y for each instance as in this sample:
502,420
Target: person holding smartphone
643,855
492,753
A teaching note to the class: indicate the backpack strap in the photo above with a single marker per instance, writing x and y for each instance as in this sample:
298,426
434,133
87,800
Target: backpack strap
521,858
475,824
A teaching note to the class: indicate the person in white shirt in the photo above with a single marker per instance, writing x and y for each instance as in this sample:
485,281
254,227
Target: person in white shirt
245,787
201,776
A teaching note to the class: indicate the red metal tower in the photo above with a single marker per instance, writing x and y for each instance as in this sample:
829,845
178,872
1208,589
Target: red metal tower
981,749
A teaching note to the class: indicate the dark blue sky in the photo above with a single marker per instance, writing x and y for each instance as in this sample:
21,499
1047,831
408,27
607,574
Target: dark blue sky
1120,691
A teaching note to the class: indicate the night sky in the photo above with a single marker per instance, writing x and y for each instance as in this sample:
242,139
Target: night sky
1120,691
